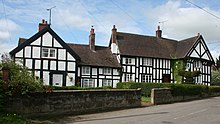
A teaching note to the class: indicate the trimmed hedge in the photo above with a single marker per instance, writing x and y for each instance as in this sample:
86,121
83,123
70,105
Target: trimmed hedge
176,89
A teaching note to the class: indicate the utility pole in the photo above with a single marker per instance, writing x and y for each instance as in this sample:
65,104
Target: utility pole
50,14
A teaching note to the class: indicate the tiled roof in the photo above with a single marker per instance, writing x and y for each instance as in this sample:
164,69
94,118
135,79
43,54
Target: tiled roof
184,46
102,56
150,46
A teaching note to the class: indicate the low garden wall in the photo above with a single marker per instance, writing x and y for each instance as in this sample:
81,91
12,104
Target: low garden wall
164,95
72,102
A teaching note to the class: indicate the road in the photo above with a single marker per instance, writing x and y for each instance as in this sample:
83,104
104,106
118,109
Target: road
205,111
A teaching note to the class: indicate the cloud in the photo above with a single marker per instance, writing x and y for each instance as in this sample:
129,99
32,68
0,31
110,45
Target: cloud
184,22
7,28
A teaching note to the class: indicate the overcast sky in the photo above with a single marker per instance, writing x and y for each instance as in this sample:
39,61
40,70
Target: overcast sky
72,19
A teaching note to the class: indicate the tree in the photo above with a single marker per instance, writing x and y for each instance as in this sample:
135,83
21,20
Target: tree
21,80
218,63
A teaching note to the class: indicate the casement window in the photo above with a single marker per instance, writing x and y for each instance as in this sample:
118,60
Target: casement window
128,77
88,83
85,70
107,82
128,61
146,78
107,71
197,64
48,53
147,61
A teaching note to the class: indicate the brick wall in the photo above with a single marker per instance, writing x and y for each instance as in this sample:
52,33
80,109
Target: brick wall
73,102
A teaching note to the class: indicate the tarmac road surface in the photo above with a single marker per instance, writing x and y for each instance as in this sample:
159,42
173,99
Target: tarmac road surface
206,111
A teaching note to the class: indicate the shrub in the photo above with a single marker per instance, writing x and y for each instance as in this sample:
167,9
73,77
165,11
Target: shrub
21,81
176,89
214,89
215,78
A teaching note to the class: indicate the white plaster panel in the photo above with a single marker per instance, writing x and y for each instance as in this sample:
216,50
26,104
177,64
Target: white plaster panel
115,83
70,79
101,76
47,39
205,56
57,44
128,69
115,72
94,71
78,71
45,64
19,54
27,52
19,61
71,66
28,63
37,73
100,71
133,69
62,54
100,82
61,65
70,57
36,52
37,64
53,65
36,42
46,77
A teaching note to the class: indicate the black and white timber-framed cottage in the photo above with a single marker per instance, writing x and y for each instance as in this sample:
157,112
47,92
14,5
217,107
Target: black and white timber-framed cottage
129,57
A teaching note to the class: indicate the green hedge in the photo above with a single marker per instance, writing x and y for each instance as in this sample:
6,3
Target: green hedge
176,89
214,89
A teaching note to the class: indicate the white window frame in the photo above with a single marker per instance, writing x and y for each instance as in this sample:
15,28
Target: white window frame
85,70
88,82
107,71
128,61
106,82
47,53
197,64
147,61
146,78
128,77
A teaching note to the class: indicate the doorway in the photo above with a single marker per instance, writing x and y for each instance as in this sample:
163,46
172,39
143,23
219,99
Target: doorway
166,78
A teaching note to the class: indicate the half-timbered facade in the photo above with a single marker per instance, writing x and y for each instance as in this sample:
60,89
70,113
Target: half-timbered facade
149,58
62,64
129,57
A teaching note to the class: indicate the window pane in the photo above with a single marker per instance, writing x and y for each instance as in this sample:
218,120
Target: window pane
52,52
45,52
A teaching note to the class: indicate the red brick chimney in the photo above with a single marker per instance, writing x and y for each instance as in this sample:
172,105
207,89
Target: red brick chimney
114,30
43,24
158,32
92,39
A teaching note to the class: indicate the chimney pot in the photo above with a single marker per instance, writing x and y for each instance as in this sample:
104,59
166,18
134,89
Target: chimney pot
42,25
114,30
92,39
158,32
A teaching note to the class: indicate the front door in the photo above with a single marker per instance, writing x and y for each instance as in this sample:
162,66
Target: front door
166,78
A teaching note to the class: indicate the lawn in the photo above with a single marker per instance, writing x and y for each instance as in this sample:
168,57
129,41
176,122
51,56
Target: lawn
145,99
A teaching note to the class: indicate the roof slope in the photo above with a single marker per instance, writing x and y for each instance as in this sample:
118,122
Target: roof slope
184,46
150,46
102,56
146,46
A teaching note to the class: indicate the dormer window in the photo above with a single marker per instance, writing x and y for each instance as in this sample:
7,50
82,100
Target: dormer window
48,53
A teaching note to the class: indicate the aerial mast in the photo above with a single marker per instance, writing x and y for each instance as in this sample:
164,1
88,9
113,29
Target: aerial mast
50,9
